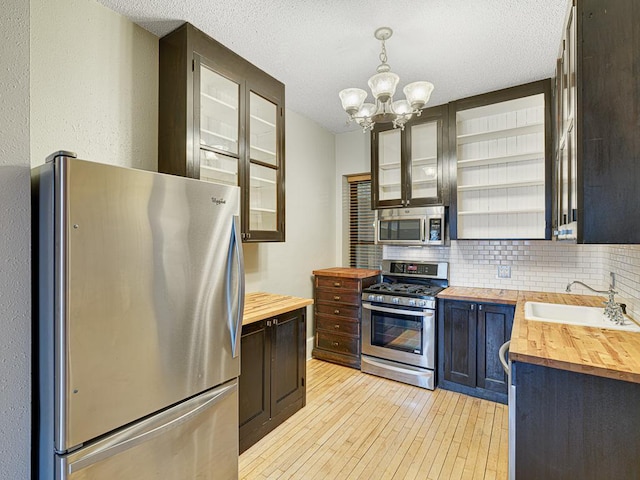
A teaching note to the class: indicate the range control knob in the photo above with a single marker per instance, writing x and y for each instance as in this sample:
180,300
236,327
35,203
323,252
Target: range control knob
422,303
371,297
395,300
412,302
379,298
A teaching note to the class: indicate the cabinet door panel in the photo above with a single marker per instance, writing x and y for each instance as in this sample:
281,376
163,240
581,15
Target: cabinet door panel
288,361
425,170
460,343
494,328
254,382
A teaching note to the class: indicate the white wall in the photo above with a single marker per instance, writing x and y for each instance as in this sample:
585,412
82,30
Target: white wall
353,155
285,268
15,243
94,85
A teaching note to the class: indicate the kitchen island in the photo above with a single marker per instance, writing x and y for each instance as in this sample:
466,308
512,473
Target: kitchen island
272,384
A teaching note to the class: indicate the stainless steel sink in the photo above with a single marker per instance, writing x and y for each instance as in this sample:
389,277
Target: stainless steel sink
574,315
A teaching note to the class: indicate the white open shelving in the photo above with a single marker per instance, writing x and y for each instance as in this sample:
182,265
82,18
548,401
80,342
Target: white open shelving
501,170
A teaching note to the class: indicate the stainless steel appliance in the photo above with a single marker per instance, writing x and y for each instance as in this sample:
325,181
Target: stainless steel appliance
399,322
412,226
141,292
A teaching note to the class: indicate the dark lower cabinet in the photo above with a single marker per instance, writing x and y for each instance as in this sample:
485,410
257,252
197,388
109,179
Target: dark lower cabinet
571,425
272,384
469,338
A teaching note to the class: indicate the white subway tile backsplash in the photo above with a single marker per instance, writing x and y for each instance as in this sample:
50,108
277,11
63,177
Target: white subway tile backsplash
535,265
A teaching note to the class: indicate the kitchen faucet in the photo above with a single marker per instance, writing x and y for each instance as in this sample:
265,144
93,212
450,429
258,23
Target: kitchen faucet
613,310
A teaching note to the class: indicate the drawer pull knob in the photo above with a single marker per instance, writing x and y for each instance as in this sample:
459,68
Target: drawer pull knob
336,297
336,311
336,284
335,344
336,326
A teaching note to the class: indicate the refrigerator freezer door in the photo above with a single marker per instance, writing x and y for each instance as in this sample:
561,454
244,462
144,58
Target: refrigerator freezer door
149,294
196,439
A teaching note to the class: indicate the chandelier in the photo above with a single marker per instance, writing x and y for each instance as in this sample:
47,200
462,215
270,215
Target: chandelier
383,86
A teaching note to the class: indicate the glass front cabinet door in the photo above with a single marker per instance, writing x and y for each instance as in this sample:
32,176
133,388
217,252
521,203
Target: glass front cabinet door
409,165
223,122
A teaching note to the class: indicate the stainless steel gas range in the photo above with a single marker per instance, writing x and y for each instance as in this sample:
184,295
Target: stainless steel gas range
399,322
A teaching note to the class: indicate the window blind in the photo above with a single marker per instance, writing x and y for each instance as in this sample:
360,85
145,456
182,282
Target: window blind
363,252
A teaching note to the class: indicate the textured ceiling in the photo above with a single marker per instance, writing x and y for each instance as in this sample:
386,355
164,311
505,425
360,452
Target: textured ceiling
318,47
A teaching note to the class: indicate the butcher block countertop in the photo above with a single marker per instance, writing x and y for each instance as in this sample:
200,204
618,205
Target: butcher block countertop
488,295
606,353
261,305
346,272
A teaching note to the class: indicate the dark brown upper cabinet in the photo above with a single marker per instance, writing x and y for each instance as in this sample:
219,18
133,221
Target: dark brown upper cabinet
221,119
409,167
501,180
597,101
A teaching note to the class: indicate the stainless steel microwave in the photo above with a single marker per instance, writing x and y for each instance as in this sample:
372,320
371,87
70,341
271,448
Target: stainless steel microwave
412,226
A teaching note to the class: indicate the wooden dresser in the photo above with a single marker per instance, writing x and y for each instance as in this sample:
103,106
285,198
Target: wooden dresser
338,313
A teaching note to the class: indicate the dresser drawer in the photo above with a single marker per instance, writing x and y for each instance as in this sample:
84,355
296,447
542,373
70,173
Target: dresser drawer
338,282
338,343
339,296
337,325
346,311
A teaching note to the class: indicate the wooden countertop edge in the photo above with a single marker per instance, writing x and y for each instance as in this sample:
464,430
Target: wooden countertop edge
345,272
576,368
488,295
261,305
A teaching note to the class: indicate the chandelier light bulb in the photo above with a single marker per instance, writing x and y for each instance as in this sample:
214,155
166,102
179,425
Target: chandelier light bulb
383,86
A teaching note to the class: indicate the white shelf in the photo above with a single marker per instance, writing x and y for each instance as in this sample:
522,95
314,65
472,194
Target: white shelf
504,133
217,135
389,185
258,149
218,101
262,120
263,180
389,166
424,161
519,157
468,188
263,210
424,182
218,170
500,212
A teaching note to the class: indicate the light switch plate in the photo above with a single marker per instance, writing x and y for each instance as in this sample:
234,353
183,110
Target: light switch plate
504,271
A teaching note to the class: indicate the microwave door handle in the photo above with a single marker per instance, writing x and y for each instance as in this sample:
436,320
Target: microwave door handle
423,230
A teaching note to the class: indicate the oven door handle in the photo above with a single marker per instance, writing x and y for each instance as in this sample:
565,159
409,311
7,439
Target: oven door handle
397,311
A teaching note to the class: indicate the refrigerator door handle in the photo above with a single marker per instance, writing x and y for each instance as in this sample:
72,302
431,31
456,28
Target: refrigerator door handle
235,250
138,434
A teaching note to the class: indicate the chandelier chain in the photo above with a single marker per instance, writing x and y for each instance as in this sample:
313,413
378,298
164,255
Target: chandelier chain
383,53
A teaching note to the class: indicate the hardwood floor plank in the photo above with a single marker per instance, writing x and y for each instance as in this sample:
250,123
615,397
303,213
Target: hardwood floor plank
357,425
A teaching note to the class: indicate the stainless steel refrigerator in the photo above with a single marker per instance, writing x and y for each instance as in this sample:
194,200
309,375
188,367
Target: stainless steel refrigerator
139,306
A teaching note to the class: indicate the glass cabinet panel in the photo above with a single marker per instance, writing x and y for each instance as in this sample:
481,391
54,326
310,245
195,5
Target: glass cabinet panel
218,168
424,160
219,116
263,209
262,130
389,166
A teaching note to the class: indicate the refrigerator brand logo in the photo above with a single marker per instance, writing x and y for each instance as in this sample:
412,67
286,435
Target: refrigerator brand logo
218,201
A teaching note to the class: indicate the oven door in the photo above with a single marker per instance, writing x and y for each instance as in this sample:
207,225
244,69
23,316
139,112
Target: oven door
400,334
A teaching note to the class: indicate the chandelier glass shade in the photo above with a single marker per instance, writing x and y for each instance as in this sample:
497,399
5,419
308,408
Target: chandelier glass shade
383,86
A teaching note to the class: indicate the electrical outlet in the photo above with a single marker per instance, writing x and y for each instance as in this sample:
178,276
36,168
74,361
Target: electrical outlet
504,271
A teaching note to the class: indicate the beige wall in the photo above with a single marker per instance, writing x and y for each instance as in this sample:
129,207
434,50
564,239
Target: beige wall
353,155
286,268
94,85
15,234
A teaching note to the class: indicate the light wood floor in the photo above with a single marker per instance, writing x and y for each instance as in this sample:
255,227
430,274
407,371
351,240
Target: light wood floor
357,426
